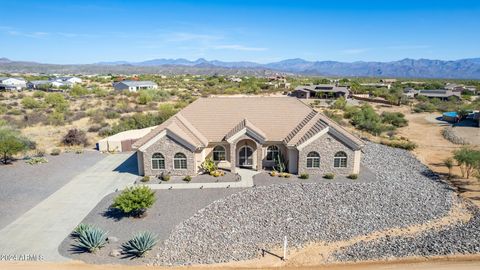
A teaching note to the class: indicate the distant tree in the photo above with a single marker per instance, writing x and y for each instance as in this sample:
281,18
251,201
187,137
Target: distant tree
12,142
468,159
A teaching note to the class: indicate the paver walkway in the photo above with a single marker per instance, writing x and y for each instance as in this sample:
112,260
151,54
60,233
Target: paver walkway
41,230
245,174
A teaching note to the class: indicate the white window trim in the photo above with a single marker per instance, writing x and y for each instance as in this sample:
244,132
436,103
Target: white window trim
216,151
277,150
186,161
313,159
340,160
151,160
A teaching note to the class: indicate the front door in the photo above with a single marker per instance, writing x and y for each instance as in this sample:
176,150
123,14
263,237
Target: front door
245,157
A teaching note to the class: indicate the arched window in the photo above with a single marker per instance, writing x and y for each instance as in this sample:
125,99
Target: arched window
272,152
313,160
219,153
340,160
179,161
158,162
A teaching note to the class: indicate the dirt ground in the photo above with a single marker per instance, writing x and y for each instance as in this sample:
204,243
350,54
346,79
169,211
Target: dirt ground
457,263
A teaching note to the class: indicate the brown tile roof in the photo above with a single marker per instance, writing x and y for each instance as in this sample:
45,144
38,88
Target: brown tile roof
245,124
274,118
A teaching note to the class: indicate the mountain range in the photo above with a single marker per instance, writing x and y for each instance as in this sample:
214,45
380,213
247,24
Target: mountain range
405,68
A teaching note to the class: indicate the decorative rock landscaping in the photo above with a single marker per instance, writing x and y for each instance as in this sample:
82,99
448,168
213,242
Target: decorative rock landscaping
239,226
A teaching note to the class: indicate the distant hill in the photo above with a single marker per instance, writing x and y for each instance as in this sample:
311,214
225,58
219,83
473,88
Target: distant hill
405,68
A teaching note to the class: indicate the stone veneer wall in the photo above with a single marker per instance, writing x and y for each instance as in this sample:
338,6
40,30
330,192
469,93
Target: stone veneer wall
168,148
327,146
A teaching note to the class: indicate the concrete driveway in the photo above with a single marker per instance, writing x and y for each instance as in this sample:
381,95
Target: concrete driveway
40,230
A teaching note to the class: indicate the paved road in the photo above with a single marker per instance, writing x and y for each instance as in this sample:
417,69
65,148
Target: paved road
246,176
41,230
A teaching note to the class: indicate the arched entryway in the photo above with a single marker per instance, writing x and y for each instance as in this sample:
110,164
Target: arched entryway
245,157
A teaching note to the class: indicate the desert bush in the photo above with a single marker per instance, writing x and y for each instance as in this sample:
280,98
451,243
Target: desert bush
111,114
187,178
33,118
400,143
396,119
92,239
304,176
12,142
135,200
37,160
75,137
140,244
329,176
353,176
95,127
208,165
217,173
56,119
468,159
38,94
144,97
55,152
57,101
339,104
146,178
78,91
31,103
368,120
273,173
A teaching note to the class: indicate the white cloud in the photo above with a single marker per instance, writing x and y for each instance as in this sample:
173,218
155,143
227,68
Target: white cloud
237,47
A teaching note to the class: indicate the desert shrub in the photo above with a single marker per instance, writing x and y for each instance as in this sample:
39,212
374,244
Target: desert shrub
99,92
33,118
75,137
135,200
424,107
340,103
334,116
140,120
146,178
144,97
92,239
3,108
208,165
57,101
78,91
56,119
273,173
468,159
14,112
38,94
400,143
368,120
111,114
105,131
329,176
39,152
140,244
396,119
304,176
353,176
95,127
37,160
187,178
31,103
55,152
12,142
217,173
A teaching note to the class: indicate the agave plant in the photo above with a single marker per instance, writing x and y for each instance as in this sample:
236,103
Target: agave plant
81,228
140,244
92,239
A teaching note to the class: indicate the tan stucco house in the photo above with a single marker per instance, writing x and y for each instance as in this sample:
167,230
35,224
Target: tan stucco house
248,132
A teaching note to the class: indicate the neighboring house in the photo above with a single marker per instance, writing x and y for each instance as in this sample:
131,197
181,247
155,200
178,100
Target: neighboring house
248,132
441,94
461,88
321,91
67,80
40,84
378,85
59,84
134,86
9,83
410,92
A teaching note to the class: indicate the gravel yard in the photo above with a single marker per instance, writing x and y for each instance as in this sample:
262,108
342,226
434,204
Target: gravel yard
171,208
237,227
24,185
459,239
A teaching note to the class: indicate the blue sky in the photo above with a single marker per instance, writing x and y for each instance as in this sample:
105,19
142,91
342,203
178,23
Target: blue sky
261,31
